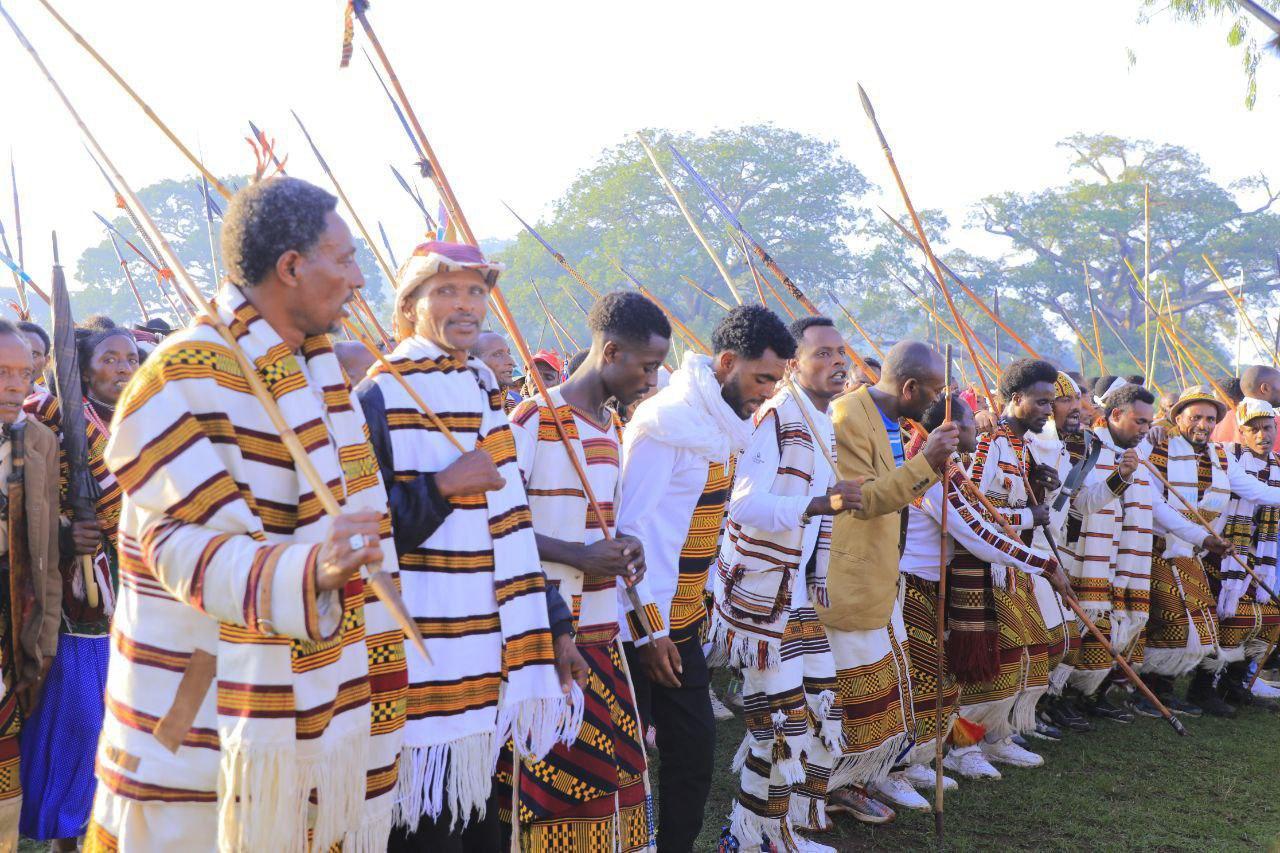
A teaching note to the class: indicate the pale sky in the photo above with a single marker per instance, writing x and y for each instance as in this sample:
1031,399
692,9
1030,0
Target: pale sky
519,97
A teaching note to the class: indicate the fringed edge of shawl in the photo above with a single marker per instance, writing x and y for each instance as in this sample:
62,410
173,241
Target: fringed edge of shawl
535,725
1023,715
1059,677
1172,662
750,829
731,648
1087,681
1254,649
806,812
870,766
372,835
338,777
831,728
468,762
992,716
261,802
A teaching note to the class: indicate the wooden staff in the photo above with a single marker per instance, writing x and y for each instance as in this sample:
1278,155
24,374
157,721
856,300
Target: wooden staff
381,583
688,217
1257,335
1093,315
928,250
845,311
938,319
459,220
574,299
684,330
977,300
940,670
760,280
711,296
552,318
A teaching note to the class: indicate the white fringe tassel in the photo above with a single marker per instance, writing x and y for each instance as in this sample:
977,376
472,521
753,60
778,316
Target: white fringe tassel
869,766
467,762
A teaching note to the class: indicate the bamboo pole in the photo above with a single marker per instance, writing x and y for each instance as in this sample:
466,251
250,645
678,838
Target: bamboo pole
381,583
688,217
941,621
1257,335
1093,315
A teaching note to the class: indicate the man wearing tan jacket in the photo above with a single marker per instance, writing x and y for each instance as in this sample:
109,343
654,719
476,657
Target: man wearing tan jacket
864,617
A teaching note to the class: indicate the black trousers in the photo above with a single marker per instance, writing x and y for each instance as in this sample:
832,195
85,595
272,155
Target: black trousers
686,744
480,835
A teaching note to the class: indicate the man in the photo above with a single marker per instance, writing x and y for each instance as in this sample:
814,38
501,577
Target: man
492,349
859,377
355,359
247,660
1249,620
550,369
971,527
580,795
1001,693
1064,446
31,593
679,453
38,339
1182,633
472,582
863,615
1257,382
774,552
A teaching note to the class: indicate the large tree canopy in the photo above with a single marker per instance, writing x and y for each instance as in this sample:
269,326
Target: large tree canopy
1242,31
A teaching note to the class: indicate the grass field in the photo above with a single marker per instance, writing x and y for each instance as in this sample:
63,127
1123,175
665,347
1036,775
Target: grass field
1119,787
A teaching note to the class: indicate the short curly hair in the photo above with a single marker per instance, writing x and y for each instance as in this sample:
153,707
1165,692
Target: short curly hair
1024,373
267,219
937,411
804,324
627,315
749,330
1125,396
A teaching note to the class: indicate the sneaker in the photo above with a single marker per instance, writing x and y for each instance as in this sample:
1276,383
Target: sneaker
1263,690
898,791
970,763
1046,731
1181,706
1142,705
923,776
854,800
1270,676
651,739
718,709
1060,712
808,845
1008,752
1103,708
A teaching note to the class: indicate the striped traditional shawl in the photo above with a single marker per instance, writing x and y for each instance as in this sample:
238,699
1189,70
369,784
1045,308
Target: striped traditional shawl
1110,562
219,542
1252,528
1179,462
477,591
560,509
757,568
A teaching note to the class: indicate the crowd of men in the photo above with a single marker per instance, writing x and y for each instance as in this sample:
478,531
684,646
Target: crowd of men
204,660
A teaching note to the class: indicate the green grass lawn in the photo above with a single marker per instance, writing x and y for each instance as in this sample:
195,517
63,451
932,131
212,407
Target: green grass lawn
1119,787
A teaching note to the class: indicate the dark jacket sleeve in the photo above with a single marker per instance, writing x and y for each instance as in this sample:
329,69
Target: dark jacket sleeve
558,613
417,507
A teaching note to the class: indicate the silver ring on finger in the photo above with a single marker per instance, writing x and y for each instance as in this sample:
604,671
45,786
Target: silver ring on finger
357,542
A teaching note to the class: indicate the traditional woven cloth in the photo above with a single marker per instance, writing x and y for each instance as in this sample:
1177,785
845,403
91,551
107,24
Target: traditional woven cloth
920,616
233,681
477,592
1248,619
591,794
10,728
757,568
1183,627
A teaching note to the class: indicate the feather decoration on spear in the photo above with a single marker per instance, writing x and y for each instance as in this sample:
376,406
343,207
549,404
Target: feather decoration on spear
379,582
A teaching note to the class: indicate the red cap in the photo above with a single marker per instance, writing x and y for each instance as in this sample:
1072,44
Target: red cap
550,358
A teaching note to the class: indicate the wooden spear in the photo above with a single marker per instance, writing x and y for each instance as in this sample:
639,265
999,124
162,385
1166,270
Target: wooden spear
1093,315
941,627
711,296
1257,335
879,352
688,217
378,580
684,330
928,250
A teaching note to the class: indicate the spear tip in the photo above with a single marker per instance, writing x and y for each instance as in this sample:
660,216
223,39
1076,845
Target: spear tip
55,249
866,103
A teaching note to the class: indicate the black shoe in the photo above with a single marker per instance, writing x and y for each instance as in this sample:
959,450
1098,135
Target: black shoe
1060,712
1213,706
1102,707
1046,731
1142,705
1183,707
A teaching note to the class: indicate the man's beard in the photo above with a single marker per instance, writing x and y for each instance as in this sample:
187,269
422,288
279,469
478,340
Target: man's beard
731,393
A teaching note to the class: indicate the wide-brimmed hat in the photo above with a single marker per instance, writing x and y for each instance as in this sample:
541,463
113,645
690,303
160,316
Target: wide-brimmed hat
431,259
1252,407
1197,394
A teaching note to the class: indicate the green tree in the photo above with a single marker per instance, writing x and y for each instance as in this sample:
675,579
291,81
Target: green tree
795,193
177,206
1096,219
1241,32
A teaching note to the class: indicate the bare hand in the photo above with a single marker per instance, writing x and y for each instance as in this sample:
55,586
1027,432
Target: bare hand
622,557
1059,581
472,473
86,535
661,662
338,560
1157,435
571,666
844,495
1215,545
985,421
940,444
1129,463
1046,477
1040,515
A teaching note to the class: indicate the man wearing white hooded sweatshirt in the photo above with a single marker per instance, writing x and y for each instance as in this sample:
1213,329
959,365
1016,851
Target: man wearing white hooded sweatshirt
679,454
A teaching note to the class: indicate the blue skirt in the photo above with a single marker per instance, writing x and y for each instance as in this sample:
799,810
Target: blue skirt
60,741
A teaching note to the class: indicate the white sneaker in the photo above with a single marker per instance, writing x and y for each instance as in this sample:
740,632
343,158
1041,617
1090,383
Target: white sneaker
898,791
1008,752
922,776
718,709
808,845
1263,690
970,763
